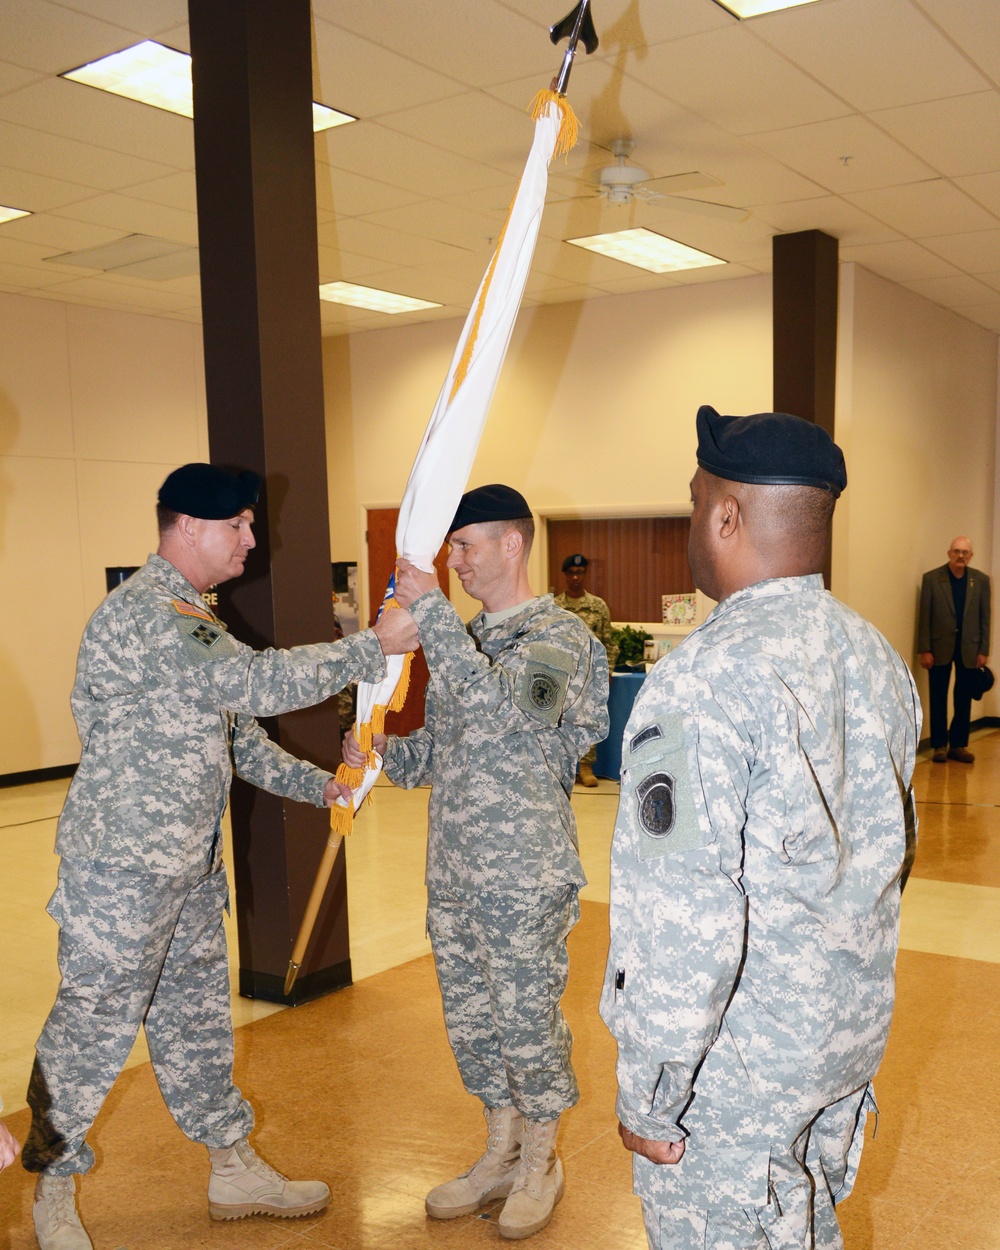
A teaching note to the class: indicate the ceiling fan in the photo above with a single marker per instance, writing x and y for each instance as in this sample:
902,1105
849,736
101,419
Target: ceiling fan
623,183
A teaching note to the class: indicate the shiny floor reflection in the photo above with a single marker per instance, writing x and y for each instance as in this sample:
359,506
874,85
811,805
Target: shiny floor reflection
361,1089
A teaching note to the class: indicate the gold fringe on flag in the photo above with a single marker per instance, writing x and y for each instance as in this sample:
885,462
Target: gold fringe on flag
569,130
342,818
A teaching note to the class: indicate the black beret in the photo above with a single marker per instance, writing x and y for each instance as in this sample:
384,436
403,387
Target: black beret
769,449
489,503
202,490
575,562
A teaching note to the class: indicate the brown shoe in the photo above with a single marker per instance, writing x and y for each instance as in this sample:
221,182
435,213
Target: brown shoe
586,777
941,755
962,755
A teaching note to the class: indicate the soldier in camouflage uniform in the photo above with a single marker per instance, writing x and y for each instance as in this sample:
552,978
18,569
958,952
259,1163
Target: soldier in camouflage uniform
765,824
595,614
164,702
513,702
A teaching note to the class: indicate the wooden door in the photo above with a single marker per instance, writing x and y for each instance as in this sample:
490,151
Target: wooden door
381,559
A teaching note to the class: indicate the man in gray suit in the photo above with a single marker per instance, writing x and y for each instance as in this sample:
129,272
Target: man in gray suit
954,628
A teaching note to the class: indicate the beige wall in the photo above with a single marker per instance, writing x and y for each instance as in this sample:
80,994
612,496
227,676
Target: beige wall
96,407
594,411
917,418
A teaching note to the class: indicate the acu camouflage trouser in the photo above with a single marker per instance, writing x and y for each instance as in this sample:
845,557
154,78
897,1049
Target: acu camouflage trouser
502,965
135,948
806,1183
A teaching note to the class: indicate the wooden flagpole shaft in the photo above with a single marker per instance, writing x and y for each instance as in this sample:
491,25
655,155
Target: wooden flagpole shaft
312,909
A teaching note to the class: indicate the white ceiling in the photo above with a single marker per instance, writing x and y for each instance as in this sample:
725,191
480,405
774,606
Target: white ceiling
877,121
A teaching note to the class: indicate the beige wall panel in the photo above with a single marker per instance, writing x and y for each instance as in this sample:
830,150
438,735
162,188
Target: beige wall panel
117,519
35,415
135,386
916,415
40,572
595,408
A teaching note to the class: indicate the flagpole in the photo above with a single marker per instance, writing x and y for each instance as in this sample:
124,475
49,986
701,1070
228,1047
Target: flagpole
444,459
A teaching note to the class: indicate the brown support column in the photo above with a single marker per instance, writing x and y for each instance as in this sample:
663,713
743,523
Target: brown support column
805,325
252,71
804,288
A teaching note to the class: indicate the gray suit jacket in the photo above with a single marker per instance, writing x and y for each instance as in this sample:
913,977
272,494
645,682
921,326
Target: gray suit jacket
938,625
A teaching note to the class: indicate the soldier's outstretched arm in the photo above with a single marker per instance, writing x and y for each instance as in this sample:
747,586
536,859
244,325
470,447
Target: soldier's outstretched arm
171,647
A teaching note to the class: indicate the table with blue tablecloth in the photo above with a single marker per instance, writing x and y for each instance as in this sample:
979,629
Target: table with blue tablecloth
624,688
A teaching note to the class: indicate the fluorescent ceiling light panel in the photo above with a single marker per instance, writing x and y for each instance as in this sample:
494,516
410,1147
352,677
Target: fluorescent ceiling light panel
647,250
160,76
754,8
11,214
372,298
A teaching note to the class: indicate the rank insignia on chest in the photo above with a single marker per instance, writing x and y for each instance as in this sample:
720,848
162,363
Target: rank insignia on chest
206,635
543,691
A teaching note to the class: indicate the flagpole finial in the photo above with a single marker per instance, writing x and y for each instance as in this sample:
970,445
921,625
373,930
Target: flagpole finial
577,25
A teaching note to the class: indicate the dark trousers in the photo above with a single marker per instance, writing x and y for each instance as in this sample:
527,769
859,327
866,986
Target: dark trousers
958,735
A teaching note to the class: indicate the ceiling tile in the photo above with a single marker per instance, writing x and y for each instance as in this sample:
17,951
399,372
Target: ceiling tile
82,163
923,209
74,111
477,44
58,234
874,55
363,78
135,217
119,292
476,125
830,214
959,289
849,154
628,26
37,193
976,252
899,261
176,190
983,187
144,17
444,222
365,239
956,136
14,76
52,39
736,81
973,25
388,156
338,265
342,193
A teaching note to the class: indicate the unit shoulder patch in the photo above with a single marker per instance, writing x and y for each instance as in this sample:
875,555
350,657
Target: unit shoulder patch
541,690
656,759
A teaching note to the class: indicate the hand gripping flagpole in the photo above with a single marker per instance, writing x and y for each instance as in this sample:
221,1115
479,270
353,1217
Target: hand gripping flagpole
444,460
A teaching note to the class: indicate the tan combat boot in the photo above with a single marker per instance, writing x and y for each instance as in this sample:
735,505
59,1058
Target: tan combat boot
538,1182
490,1177
585,776
57,1224
243,1184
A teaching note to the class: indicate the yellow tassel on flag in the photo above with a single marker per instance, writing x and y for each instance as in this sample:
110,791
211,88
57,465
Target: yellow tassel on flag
342,818
403,685
569,130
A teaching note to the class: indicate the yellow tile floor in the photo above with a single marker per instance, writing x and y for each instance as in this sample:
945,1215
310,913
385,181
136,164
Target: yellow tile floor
360,1087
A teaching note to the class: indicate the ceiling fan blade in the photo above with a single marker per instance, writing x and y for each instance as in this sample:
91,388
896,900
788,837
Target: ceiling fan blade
704,208
671,184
